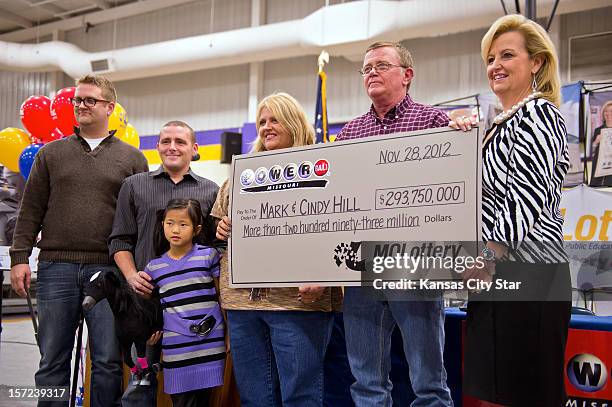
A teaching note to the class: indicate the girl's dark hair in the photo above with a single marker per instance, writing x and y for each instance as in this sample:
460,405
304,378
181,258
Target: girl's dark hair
194,210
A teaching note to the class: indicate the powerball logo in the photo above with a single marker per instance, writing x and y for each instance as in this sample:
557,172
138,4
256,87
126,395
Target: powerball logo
290,176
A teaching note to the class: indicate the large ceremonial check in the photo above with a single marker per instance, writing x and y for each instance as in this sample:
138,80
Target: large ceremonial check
299,215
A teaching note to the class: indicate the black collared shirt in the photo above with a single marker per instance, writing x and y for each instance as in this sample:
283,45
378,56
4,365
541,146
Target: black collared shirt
142,196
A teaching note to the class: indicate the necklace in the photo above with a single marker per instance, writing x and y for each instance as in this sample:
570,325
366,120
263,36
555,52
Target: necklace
503,116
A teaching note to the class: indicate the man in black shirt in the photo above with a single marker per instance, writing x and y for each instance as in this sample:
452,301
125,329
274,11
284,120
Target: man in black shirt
140,199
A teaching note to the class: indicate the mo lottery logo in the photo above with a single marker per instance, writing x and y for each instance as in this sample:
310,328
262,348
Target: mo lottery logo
348,254
290,176
587,372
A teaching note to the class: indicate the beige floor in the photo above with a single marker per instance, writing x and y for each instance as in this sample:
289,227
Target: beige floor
19,356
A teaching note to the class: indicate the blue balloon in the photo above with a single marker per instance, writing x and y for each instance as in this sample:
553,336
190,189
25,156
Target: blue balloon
27,159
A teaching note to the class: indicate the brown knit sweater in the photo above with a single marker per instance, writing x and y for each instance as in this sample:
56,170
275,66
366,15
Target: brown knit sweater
70,197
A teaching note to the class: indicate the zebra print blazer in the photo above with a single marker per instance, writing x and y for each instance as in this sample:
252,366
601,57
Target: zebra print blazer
524,164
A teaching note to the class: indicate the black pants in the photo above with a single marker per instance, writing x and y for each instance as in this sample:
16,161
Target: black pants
514,350
196,398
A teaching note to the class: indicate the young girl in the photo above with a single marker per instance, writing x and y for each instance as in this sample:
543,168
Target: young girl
187,277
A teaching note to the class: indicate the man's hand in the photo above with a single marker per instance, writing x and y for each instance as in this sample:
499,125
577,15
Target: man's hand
310,293
224,228
20,279
139,282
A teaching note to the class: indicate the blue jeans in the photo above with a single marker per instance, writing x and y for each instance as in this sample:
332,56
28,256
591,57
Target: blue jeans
140,396
278,356
59,296
369,323
338,377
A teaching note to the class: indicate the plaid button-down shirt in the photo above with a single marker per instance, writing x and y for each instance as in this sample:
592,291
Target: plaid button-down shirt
406,116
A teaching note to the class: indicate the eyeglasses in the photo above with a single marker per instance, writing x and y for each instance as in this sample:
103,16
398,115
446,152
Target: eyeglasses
380,68
89,102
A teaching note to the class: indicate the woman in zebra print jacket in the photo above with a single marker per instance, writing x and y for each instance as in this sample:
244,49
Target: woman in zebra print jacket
515,340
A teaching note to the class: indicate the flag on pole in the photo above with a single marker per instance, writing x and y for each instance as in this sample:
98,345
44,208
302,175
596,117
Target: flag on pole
321,111
321,130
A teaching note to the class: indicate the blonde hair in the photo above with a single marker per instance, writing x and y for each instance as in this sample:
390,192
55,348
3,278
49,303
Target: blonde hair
538,44
603,110
290,115
106,86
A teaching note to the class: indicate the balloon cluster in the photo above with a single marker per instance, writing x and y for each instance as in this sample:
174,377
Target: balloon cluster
47,120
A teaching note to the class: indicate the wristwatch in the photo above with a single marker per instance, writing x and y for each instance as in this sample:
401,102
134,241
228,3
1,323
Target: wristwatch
488,254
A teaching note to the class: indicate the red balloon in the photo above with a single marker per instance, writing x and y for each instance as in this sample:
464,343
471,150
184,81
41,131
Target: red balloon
63,111
36,116
56,134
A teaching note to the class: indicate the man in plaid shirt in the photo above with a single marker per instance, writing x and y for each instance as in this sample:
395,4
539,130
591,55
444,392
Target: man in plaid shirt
387,72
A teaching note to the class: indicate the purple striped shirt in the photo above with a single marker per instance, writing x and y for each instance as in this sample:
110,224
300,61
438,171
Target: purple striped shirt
188,294
406,116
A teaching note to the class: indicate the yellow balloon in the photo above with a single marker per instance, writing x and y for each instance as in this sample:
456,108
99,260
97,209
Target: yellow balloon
130,136
118,120
12,143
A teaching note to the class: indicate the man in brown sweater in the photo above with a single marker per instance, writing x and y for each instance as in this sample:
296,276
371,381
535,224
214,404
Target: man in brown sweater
70,197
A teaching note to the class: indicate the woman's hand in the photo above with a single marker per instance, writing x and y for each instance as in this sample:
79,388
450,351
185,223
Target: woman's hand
227,341
462,123
224,228
154,338
310,293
